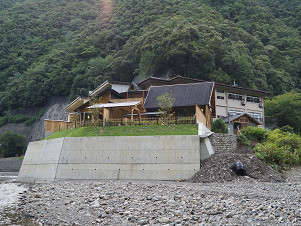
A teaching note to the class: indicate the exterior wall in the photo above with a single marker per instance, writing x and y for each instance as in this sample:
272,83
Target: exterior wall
226,105
10,164
127,100
52,126
104,98
124,158
223,142
200,117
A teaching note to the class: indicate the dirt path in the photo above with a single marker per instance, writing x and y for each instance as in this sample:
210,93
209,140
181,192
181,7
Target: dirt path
106,9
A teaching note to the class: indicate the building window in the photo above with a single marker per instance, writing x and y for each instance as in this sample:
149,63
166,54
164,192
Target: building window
253,99
233,96
234,113
220,97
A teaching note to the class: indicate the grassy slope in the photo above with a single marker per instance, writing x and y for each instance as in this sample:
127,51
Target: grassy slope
153,130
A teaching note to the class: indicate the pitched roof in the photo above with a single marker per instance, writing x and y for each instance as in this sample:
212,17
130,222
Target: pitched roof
100,88
181,80
235,117
120,88
184,94
79,101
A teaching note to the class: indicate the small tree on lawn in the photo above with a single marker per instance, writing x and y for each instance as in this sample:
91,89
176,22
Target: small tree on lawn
95,112
166,103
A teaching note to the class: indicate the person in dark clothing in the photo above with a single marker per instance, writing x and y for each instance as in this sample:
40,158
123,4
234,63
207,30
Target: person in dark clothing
238,168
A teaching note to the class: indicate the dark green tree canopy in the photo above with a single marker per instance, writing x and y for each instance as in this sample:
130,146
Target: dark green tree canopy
285,110
12,144
62,48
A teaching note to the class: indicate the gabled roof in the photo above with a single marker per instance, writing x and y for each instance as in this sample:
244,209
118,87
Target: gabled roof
116,87
184,94
79,101
183,80
120,88
100,88
235,117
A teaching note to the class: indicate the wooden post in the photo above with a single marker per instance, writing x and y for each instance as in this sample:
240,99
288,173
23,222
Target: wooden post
139,113
132,116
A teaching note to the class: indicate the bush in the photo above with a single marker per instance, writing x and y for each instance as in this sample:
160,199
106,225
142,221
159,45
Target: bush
12,144
287,128
281,148
219,126
243,140
255,133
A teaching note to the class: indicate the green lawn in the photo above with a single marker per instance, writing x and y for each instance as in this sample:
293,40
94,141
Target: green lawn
151,130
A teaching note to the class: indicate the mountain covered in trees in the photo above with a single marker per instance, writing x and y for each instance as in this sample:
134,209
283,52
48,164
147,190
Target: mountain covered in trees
67,47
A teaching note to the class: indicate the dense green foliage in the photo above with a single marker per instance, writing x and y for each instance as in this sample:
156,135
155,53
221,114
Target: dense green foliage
279,147
12,144
219,126
150,130
255,134
285,110
62,48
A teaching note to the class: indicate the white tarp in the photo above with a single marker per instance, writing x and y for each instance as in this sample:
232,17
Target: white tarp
203,131
112,105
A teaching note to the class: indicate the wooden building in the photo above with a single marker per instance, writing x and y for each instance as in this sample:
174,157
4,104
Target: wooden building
193,97
239,122
109,101
189,99
230,100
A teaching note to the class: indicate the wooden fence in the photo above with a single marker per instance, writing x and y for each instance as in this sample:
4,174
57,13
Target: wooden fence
54,126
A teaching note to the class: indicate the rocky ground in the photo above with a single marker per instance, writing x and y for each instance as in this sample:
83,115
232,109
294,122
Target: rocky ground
243,201
218,169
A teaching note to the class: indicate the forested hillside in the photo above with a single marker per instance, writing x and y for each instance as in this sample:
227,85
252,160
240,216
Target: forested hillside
67,47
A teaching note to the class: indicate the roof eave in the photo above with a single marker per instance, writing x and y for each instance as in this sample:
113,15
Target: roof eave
100,88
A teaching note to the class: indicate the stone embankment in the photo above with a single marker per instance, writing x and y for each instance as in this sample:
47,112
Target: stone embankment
223,143
140,203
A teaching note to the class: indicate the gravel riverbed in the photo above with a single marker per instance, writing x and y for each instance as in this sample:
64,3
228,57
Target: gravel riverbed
243,201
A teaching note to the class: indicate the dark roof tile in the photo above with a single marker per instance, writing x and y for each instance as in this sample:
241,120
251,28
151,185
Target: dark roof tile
184,94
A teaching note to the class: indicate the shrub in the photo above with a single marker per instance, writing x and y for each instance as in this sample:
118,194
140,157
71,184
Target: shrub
219,126
281,148
287,128
242,139
12,144
255,133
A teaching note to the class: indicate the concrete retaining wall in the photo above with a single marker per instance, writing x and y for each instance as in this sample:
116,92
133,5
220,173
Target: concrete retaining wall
223,142
10,164
125,158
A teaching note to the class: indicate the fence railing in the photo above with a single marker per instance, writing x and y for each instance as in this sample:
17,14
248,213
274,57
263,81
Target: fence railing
54,126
